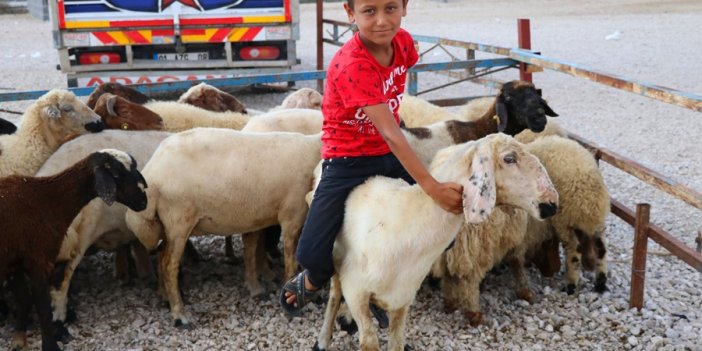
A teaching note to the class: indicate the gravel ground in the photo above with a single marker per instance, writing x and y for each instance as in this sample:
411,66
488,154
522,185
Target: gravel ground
658,42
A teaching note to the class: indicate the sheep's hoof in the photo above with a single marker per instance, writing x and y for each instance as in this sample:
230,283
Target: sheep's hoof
474,318
316,347
449,307
61,333
183,325
349,327
570,289
601,283
526,294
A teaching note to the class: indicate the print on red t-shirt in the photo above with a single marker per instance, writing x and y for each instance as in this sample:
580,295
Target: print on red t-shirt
355,80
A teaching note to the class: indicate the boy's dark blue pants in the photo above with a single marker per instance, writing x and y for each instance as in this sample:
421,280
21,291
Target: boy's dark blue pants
326,214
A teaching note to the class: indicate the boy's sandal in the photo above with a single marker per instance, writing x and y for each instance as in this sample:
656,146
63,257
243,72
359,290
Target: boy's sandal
296,286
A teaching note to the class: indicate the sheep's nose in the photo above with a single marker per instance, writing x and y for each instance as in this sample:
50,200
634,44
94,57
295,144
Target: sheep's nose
547,209
95,127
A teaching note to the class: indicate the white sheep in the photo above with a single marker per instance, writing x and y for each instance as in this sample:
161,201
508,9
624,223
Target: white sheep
53,119
257,180
584,205
417,112
302,98
393,232
178,117
299,120
97,224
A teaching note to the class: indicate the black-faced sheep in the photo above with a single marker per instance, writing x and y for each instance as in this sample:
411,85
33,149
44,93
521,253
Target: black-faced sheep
393,232
35,213
53,119
97,224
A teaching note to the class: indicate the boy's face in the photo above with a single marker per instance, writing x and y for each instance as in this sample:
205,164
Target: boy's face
377,20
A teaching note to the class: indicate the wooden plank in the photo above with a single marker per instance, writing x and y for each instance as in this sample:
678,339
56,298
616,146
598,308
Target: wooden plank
644,173
671,96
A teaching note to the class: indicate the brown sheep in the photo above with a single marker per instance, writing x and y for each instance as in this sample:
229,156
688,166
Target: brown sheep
35,214
210,98
119,113
128,93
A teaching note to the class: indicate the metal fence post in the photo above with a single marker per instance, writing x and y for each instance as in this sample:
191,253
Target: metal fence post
638,261
524,42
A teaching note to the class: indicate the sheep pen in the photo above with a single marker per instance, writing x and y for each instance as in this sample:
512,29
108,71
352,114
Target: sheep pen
656,134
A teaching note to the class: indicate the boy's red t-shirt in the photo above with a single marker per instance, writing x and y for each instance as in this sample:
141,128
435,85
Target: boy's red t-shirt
355,80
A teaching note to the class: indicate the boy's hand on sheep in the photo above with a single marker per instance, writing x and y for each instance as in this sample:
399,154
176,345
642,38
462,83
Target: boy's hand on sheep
448,196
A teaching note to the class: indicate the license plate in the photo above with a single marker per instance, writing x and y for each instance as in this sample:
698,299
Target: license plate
188,56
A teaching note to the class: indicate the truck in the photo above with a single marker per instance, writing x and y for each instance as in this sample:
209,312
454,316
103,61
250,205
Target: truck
154,41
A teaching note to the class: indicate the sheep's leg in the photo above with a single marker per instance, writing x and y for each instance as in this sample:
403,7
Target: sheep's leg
121,264
263,264
42,302
601,265
450,287
463,293
251,241
324,339
18,285
398,319
170,263
522,285
573,258
141,260
228,247
358,305
59,298
291,235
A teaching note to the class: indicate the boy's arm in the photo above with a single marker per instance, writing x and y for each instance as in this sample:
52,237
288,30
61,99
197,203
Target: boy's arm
447,195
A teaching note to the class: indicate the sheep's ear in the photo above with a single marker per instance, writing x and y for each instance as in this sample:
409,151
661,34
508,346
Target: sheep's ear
111,101
52,112
105,185
547,109
479,193
501,111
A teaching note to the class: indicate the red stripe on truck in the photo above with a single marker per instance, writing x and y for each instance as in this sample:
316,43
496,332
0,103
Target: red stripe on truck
136,37
104,38
251,33
220,35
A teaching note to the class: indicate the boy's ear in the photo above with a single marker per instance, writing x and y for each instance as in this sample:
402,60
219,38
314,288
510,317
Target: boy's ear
404,7
349,12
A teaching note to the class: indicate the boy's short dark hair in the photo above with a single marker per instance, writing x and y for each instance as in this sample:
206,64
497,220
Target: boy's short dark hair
350,3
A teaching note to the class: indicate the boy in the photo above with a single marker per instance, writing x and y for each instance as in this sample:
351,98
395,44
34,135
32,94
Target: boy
361,137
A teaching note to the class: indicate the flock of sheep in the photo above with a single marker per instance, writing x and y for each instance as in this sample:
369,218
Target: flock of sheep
266,166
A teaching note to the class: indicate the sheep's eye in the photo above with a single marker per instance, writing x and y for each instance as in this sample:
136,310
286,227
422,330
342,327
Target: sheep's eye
66,108
511,158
